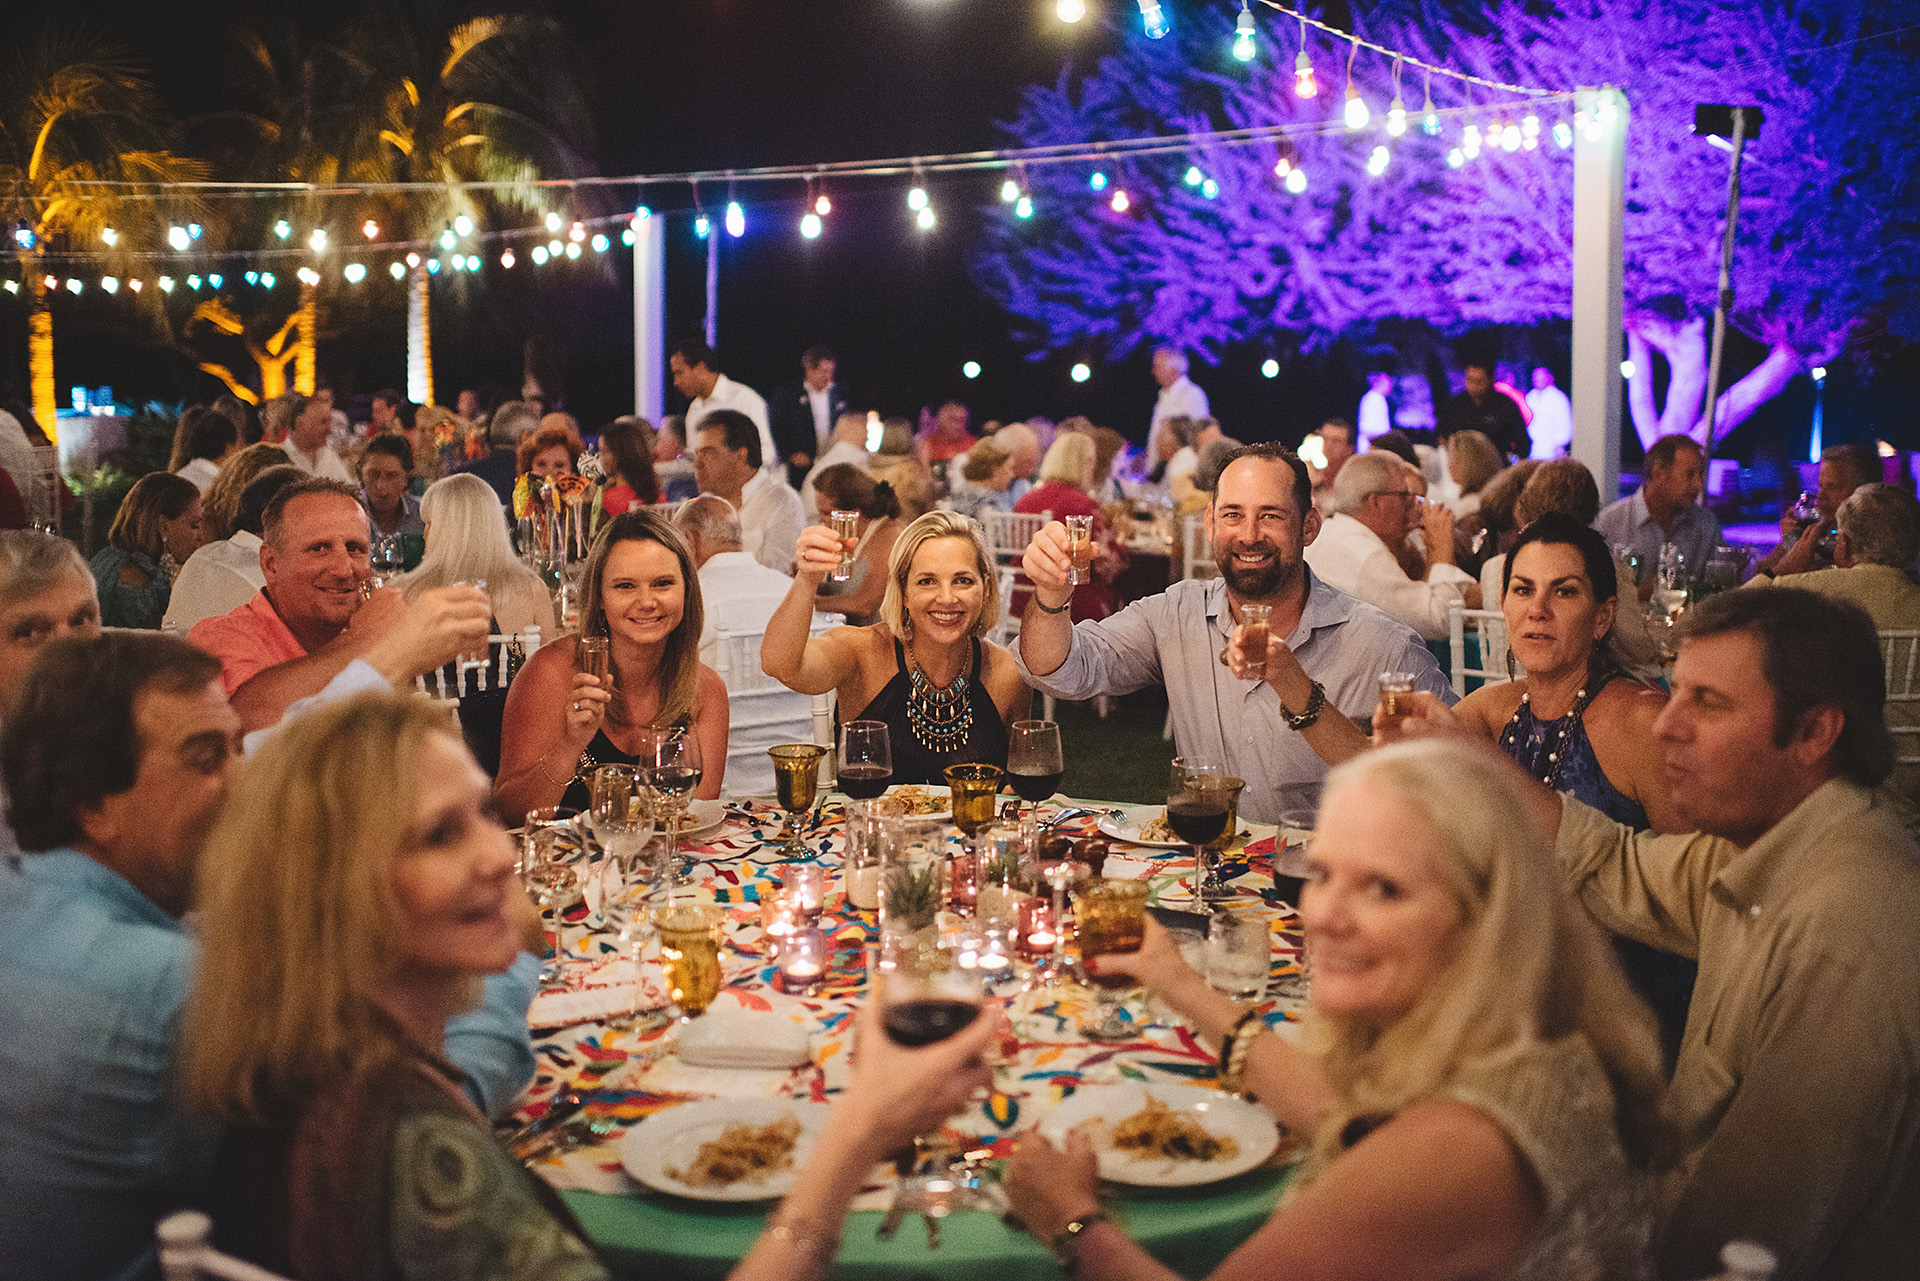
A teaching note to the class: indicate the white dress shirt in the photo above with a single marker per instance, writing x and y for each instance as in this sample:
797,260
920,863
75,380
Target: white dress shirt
771,519
201,472
821,403
217,579
325,464
1376,415
1552,427
728,394
739,594
1354,559
1181,398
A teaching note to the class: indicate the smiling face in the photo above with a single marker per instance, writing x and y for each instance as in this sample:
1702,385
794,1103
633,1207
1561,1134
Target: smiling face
452,880
1553,620
71,607
1256,528
1381,921
554,460
642,592
315,568
944,592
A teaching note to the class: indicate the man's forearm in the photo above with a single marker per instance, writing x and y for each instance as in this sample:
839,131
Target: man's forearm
1045,639
265,697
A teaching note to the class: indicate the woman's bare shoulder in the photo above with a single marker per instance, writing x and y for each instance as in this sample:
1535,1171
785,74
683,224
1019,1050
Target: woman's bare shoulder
1629,703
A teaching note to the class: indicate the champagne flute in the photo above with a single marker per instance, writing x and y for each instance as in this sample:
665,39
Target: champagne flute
866,759
1197,813
1034,762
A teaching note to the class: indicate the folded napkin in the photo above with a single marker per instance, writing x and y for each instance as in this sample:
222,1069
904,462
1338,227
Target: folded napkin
725,1038
565,1008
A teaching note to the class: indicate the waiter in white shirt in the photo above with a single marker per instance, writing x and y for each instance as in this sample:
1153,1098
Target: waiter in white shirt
696,375
1179,397
1552,425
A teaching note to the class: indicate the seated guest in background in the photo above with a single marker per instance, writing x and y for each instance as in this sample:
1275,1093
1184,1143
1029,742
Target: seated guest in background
1213,459
121,756
386,475
552,449
46,593
640,590
949,437
223,498
984,482
1379,504
224,574
1023,443
1066,476
1472,461
311,424
1271,733
467,543
308,623
1804,548
738,593
896,461
1796,1092
670,462
351,1148
1109,447
946,695
626,460
1483,1098
1337,446
847,445
1176,455
1665,509
439,439
157,526
210,439
1183,465
844,487
728,462
501,467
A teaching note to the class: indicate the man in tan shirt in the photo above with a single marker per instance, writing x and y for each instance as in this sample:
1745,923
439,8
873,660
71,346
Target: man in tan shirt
1795,1090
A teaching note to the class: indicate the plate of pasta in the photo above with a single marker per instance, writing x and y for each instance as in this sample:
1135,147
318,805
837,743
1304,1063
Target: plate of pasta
724,1149
922,801
1165,1136
1142,825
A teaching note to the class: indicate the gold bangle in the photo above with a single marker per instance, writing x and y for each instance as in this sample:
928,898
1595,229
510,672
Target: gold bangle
557,782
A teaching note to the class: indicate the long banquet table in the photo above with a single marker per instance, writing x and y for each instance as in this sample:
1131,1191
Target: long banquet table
628,1075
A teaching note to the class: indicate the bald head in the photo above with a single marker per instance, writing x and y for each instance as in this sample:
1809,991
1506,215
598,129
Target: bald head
710,525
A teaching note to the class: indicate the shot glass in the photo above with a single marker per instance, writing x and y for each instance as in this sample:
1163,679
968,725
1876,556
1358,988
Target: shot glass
1080,547
846,527
1253,640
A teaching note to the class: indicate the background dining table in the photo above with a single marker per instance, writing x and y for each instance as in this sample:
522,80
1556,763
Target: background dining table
626,1075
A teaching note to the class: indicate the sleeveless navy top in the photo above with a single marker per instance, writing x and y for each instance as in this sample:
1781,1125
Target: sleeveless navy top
915,760
1559,754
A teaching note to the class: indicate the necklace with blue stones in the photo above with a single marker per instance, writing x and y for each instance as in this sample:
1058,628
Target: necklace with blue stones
940,716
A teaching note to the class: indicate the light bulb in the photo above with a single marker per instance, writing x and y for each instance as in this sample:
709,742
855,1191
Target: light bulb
23,236
308,276
110,284
702,225
1626,369
1377,162
413,260
1269,368
283,229
12,286
1297,181
433,266
917,198
1303,84
1097,180
1282,167
539,255
573,249
1456,158
447,238
1530,126
73,285
111,238
626,237
970,370
1009,191
1193,176
463,226
166,284
507,259
1396,118
1243,46
925,219
1023,207
600,243
370,229
1071,10
1470,141
193,230
1120,203
1510,137
736,219
177,237
553,223
1154,19
318,240
134,284
1080,372
1562,135
823,206
810,225
553,247
1430,123
193,283
1210,189
252,277
577,232
355,273
1357,114
216,279
266,280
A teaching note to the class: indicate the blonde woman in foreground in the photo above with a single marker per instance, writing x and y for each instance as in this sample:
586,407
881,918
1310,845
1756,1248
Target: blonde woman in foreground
1479,1086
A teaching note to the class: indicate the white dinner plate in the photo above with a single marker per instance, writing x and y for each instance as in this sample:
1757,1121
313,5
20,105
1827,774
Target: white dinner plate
941,794
1255,1132
670,1140
1127,827
702,819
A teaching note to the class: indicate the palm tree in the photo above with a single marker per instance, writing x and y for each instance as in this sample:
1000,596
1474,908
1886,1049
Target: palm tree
495,100
75,112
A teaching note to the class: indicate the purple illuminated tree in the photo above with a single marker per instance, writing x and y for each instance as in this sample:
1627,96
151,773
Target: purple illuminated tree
1826,255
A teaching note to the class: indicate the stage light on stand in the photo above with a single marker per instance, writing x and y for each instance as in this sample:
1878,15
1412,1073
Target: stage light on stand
252,277
12,286
1243,43
1153,19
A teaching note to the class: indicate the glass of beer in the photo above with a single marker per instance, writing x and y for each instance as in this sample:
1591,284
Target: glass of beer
796,780
1394,703
690,936
1253,640
1109,916
846,527
1080,547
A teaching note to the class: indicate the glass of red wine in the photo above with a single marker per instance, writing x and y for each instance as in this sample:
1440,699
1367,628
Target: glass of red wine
1034,762
866,759
1197,813
926,994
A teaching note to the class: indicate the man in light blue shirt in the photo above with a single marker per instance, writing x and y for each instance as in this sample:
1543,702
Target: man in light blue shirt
1666,509
1277,733
116,759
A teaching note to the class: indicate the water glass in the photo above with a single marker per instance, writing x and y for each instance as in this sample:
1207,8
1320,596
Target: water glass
1239,953
866,823
474,659
690,935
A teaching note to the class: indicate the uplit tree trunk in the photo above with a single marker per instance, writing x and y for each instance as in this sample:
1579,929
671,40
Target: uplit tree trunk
1682,344
306,344
419,340
40,357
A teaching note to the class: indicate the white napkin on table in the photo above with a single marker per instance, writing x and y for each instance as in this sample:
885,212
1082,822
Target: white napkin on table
724,1038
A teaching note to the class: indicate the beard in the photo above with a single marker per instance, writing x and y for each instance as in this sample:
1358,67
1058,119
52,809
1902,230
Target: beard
1256,582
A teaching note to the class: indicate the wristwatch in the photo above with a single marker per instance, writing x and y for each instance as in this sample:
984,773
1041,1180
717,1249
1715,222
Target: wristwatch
1316,700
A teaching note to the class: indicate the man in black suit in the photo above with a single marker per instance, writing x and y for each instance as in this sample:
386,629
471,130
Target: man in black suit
801,414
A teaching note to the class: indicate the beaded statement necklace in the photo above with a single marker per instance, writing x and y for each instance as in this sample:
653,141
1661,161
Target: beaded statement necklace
1553,740
940,716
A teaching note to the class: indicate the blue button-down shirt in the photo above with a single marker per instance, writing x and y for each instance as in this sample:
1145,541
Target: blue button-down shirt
1628,523
1175,639
94,1146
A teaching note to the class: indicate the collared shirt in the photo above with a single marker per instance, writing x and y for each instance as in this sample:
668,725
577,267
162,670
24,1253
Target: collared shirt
325,463
200,471
1797,1090
738,594
94,1146
728,394
247,641
1175,639
1627,523
410,522
820,402
771,519
1182,398
1357,561
217,579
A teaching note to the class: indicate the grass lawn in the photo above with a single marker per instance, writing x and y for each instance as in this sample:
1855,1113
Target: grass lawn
1122,758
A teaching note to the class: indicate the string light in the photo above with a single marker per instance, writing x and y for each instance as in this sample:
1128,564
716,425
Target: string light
554,246
1429,118
1097,180
1356,112
1303,84
1296,180
1009,191
1154,19
1209,189
573,249
215,279
413,260
1377,162
110,284
736,219
12,286
177,237
1269,368
1023,207
23,236
194,229
1071,10
73,285
578,232
433,266
354,272
969,371
193,283
539,255
1120,203
1397,113
252,277
134,284
507,259
370,229
1243,45
166,284
398,271
917,198
554,222
283,228
600,243
810,225
1194,177
1562,135
308,276
318,240
447,238
925,219
1080,372
1510,137
1470,140
463,226
112,238
702,225
266,280
1456,158
821,205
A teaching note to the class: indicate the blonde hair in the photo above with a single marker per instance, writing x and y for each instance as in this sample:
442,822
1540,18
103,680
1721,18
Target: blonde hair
296,905
1530,966
467,542
679,670
923,530
220,513
1070,460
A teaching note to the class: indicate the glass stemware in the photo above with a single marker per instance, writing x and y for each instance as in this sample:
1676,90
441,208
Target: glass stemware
549,878
690,935
1034,762
1058,968
796,779
1109,916
629,899
927,994
386,559
866,759
1197,813
671,757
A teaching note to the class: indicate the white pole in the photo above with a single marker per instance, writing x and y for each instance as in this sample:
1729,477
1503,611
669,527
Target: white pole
649,315
1599,209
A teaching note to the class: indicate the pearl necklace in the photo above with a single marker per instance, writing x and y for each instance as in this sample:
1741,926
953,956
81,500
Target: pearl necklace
1561,730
